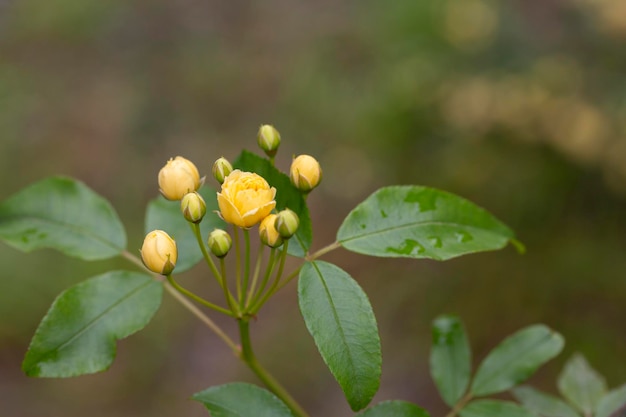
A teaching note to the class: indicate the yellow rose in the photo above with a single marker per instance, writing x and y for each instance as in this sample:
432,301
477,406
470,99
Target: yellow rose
159,253
178,177
246,198
305,173
268,233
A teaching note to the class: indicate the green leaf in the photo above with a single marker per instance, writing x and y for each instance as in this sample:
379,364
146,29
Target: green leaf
581,385
420,222
495,408
64,214
543,404
394,409
515,359
78,334
241,400
166,215
450,358
612,402
287,196
338,315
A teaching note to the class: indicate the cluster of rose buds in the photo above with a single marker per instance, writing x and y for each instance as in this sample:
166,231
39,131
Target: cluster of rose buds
245,200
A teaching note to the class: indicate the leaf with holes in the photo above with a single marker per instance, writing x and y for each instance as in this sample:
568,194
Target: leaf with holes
420,222
450,358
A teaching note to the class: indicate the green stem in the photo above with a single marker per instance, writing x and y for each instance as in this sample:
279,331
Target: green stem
246,274
237,262
247,355
220,276
198,299
198,234
323,251
283,256
255,276
460,404
185,303
229,297
266,277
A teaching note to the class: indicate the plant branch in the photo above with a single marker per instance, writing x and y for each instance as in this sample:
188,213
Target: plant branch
248,357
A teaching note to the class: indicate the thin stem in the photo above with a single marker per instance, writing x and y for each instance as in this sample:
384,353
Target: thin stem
247,355
255,276
288,279
229,297
185,303
196,298
323,251
268,294
196,231
200,315
220,276
459,405
246,274
237,262
266,277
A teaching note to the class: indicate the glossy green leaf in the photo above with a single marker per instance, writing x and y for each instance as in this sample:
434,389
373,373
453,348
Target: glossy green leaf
64,214
166,215
339,316
516,359
287,196
581,385
613,402
450,358
394,409
78,334
241,400
420,222
543,404
495,408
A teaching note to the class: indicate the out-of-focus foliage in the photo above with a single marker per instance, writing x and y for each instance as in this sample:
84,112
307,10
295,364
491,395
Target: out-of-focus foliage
518,106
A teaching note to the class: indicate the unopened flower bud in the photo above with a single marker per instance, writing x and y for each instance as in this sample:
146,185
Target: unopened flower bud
178,177
220,242
221,169
159,253
268,139
268,233
193,207
305,173
287,223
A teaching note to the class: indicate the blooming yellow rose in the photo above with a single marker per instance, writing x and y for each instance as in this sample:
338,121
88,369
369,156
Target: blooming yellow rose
246,198
159,252
305,173
178,177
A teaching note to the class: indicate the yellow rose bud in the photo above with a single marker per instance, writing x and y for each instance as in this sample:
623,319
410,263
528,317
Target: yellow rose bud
221,169
178,177
268,233
287,223
246,199
305,173
220,242
159,253
193,207
268,139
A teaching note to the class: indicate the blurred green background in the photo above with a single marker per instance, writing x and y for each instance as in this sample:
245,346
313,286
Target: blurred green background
519,106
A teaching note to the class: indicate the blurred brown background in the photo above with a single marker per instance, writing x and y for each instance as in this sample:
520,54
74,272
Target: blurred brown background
519,106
